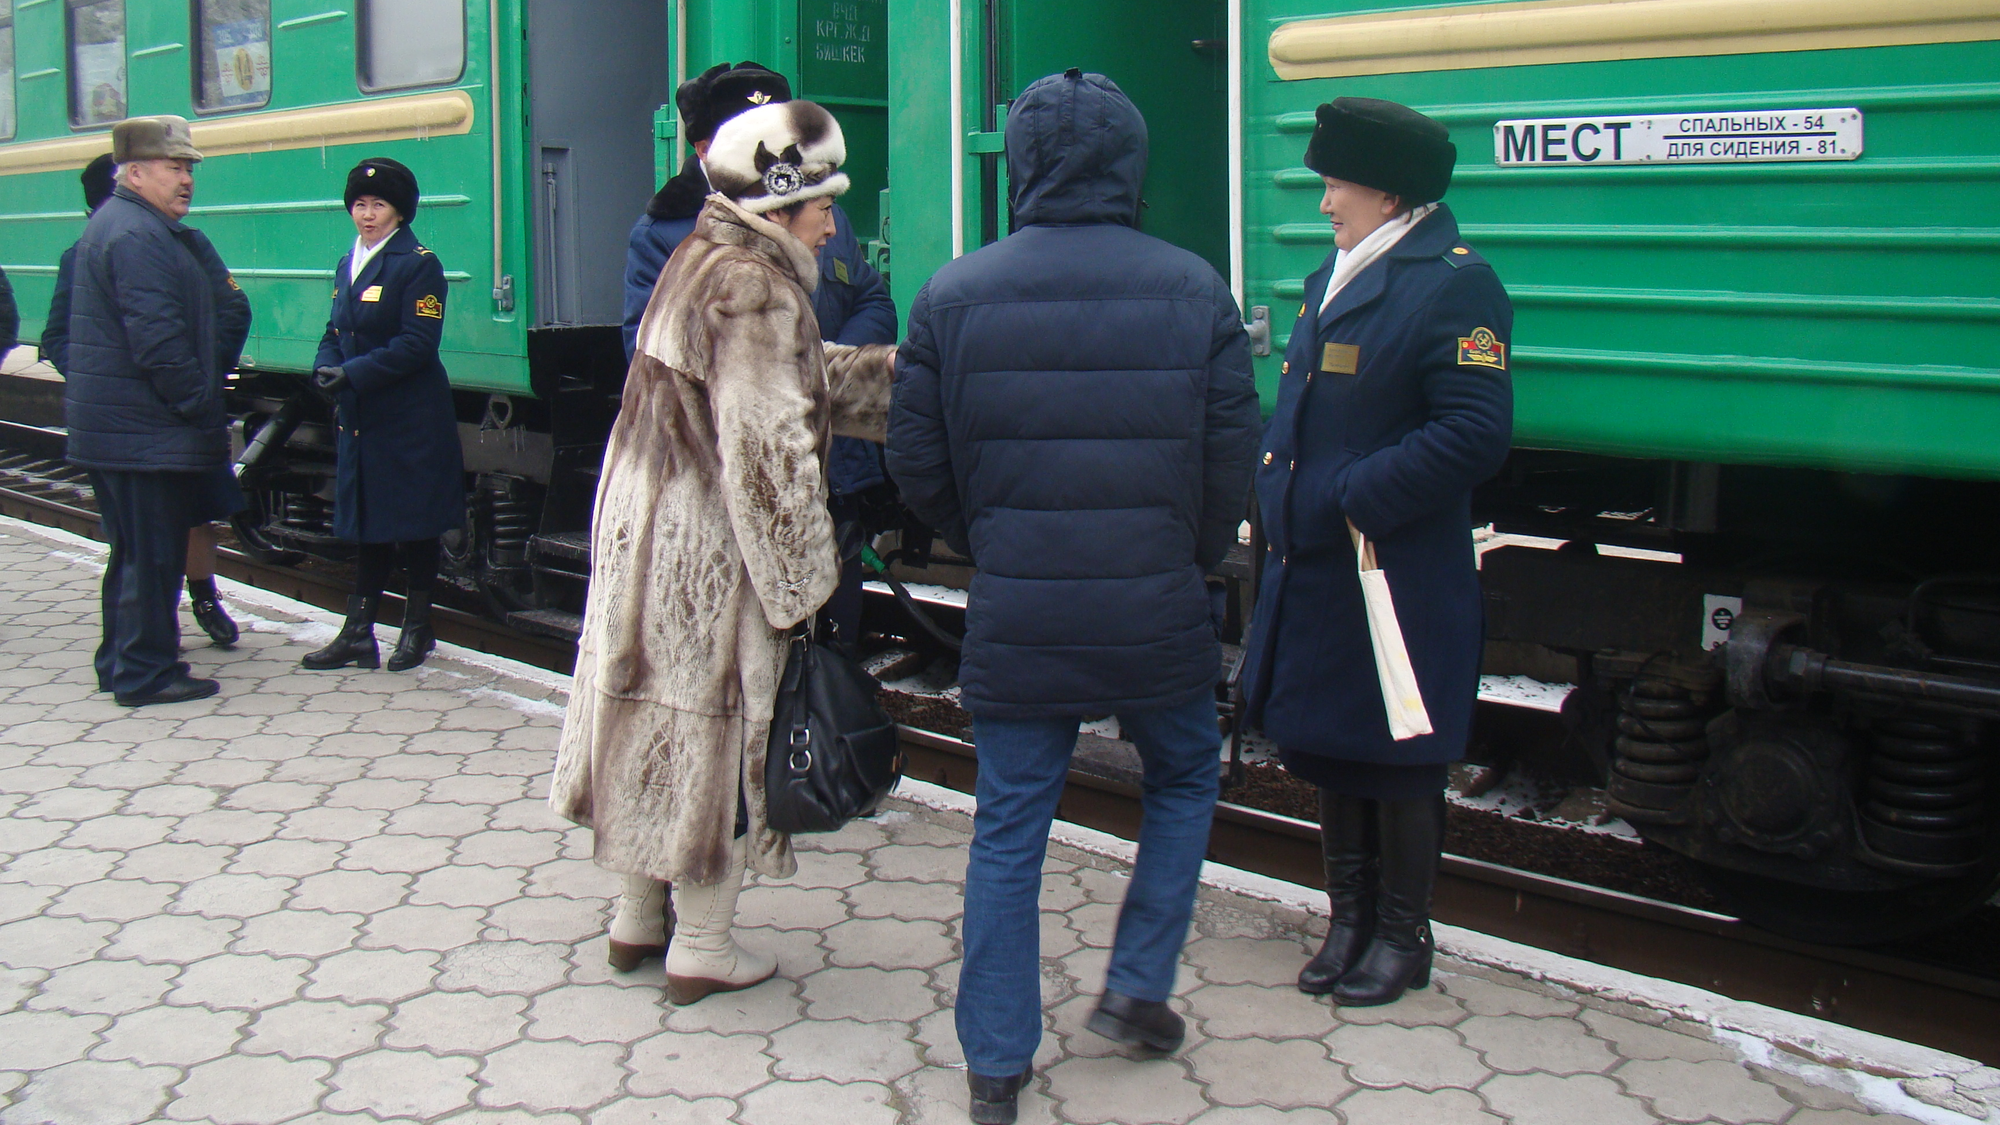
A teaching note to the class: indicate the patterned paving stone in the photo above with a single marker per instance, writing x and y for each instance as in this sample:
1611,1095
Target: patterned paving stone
1685,1091
784,1103
1542,1099
91,1093
172,1036
1278,1073
315,1029
402,1083
1117,1090
843,1051
372,974
1403,1106
868,995
249,1090
108,987
32,1041
1518,1044
551,1076
1424,1057
1634,1040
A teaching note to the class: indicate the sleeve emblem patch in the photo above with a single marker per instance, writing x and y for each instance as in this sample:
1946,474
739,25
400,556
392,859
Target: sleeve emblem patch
231,279
1482,349
428,305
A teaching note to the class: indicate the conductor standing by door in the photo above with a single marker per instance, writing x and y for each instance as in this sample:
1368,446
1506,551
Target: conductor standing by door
1393,403
400,476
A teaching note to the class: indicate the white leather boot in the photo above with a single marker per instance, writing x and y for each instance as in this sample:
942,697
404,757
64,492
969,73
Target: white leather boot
703,956
642,925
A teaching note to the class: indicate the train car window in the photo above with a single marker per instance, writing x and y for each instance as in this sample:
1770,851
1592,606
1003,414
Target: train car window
234,55
410,43
6,70
96,61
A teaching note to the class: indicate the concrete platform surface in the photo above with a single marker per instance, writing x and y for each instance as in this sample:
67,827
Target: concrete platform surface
340,897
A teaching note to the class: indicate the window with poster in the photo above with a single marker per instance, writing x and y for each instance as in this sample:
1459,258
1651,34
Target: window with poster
233,56
6,70
401,43
96,61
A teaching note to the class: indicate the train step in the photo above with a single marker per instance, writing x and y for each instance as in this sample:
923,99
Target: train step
557,623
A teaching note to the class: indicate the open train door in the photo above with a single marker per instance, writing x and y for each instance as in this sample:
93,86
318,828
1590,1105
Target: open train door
956,66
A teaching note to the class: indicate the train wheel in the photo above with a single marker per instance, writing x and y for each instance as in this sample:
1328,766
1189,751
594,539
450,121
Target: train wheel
1849,917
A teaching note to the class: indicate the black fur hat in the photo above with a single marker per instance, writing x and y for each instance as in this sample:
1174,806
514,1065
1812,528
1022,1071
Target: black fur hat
723,91
388,181
97,183
1385,146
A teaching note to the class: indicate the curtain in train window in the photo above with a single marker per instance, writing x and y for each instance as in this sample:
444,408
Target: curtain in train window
6,70
96,61
234,54
410,42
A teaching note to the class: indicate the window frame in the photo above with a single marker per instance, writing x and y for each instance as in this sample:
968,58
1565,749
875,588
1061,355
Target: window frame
363,10
195,74
70,72
10,127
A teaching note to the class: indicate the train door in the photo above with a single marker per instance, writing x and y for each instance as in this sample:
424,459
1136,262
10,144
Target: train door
597,73
957,66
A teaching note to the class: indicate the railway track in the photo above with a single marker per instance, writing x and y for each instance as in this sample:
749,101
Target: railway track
1943,1007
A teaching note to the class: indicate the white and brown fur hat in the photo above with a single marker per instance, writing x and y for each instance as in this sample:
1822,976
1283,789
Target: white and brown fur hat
777,155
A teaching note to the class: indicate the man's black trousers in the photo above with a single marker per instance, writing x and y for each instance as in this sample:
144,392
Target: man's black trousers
146,521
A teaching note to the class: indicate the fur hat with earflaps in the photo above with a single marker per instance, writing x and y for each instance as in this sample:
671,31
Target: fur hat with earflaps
387,180
777,155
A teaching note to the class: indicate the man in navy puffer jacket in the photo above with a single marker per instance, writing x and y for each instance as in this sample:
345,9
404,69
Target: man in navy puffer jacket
1074,410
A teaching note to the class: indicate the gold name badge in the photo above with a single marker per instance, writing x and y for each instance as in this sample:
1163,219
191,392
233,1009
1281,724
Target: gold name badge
372,293
1340,359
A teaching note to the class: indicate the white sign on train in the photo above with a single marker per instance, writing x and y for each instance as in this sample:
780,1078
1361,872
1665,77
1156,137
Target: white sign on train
1680,138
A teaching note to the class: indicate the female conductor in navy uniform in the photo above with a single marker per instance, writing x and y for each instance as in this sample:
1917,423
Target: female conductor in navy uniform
400,480
1394,402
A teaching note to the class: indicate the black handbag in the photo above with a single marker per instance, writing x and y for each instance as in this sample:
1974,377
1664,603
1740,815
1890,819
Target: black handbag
833,753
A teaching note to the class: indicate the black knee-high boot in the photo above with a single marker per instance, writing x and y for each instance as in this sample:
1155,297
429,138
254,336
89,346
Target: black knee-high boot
1347,842
1411,834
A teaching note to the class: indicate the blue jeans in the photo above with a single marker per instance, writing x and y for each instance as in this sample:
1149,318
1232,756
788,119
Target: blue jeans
1022,765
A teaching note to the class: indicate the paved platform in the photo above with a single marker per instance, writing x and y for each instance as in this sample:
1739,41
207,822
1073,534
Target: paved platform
339,897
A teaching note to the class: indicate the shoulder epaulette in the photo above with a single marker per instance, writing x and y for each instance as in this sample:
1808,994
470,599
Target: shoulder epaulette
421,249
1461,256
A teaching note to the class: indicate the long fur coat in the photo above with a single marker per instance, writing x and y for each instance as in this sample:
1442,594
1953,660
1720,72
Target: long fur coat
711,540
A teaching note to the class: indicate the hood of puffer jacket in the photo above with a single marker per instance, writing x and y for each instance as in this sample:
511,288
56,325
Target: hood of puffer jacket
1076,152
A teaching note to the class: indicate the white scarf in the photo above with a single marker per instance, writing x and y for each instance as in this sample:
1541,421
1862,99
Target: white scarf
358,261
1347,264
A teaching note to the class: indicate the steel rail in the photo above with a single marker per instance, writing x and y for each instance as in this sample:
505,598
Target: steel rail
1939,1007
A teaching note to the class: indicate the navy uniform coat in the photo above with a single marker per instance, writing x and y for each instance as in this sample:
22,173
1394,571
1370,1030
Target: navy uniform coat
400,473
1393,405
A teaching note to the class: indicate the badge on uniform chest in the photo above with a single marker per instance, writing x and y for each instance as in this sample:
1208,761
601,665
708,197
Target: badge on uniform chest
372,293
1340,359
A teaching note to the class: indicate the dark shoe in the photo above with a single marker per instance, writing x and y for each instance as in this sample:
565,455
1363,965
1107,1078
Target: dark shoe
182,689
1347,843
356,642
995,1101
214,620
1147,1024
416,640
1399,957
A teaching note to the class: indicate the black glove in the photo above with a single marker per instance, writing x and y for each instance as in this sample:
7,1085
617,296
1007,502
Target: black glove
328,382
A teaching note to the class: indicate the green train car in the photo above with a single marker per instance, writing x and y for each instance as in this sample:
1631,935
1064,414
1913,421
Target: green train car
1751,248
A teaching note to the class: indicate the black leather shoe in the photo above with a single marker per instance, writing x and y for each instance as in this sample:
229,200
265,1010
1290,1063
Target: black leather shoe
214,620
996,1101
355,644
1399,957
1147,1024
182,689
417,638
1347,843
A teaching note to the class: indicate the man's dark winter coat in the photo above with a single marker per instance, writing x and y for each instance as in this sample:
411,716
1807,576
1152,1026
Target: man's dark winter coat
1392,436
10,317
401,472
852,302
148,332
232,309
1074,410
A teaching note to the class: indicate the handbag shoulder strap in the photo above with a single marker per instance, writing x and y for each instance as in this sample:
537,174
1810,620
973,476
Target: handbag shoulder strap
1364,551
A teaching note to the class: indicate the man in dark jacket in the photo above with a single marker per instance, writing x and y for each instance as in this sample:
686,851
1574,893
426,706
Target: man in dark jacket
232,326
1074,411
852,302
143,402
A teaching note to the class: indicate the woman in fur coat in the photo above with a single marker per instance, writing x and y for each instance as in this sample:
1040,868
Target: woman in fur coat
711,540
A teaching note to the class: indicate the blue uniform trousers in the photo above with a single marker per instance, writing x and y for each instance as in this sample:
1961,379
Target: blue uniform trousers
1022,764
146,521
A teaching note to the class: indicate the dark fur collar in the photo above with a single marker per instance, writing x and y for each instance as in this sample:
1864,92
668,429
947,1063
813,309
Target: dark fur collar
681,197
